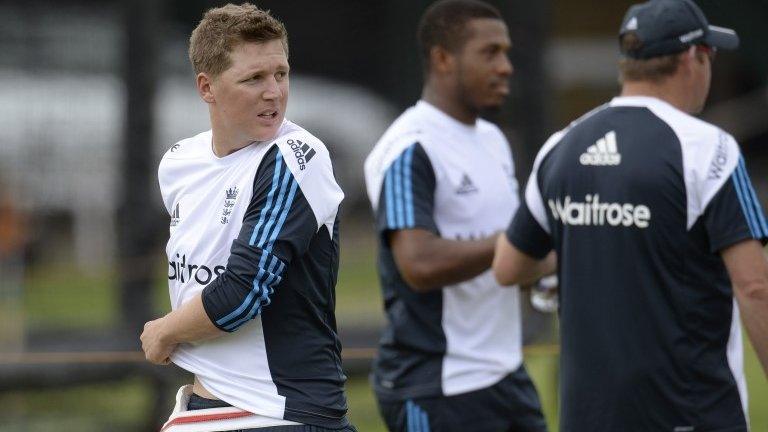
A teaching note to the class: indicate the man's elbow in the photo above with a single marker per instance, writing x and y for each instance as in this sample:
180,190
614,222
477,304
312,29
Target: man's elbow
505,274
420,278
753,289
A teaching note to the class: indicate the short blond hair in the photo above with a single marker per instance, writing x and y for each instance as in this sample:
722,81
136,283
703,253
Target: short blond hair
223,28
652,69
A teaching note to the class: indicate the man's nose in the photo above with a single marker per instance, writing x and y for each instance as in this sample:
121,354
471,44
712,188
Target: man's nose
505,66
272,90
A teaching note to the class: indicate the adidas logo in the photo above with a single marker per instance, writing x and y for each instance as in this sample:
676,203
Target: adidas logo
466,186
175,217
603,152
302,151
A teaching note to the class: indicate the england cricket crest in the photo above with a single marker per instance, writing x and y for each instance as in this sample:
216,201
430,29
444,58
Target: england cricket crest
229,202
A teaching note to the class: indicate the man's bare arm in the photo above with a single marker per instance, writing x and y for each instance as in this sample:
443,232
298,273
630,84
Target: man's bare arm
428,262
189,323
511,266
748,268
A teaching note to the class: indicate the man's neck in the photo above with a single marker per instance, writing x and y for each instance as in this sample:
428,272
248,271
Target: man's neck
223,145
667,90
224,141
446,102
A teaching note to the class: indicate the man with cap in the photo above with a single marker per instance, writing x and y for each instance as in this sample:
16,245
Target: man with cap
658,234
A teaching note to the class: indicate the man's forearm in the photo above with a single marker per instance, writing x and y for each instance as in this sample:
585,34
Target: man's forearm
189,323
753,305
748,269
511,266
540,269
433,262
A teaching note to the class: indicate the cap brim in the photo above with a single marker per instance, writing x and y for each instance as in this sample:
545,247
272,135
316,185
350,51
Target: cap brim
723,38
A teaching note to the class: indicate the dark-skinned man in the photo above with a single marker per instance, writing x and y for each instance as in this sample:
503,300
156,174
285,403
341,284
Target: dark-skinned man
442,185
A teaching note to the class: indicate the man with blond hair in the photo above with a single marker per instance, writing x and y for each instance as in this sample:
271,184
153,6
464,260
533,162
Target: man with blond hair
253,249
658,237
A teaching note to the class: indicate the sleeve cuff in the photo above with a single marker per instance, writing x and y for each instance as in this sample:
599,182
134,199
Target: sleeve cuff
528,247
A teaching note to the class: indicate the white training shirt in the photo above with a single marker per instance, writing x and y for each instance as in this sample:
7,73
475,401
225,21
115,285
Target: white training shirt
433,172
258,228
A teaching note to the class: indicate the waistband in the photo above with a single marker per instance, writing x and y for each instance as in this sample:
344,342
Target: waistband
215,419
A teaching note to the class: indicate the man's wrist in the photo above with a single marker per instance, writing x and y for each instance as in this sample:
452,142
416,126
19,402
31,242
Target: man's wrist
166,334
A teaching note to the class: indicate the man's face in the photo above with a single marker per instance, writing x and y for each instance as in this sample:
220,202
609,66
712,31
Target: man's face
483,68
251,96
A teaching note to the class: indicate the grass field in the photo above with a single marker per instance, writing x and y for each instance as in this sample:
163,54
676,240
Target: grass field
55,298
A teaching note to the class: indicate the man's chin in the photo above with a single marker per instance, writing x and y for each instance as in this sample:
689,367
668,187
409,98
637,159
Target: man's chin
265,134
491,109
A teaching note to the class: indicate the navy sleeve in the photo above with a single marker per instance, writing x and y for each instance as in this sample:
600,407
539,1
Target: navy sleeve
407,197
526,234
277,227
735,214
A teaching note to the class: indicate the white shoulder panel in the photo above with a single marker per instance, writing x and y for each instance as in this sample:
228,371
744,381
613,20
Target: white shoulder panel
309,161
533,198
401,134
710,156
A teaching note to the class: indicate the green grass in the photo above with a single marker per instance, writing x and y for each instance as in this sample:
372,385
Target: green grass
56,296
357,289
101,407
362,406
757,388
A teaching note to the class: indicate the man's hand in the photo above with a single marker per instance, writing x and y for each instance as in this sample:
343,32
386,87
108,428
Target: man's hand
189,323
157,348
511,266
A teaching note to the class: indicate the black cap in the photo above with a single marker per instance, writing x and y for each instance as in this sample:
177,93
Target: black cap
671,26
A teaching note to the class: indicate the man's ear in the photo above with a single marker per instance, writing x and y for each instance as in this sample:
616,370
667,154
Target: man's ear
441,60
205,87
692,55
686,61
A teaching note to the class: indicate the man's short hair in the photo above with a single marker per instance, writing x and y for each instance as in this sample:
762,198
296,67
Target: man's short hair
223,28
444,24
653,69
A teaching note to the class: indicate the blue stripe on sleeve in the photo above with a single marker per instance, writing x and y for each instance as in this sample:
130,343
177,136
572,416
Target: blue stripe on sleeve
742,194
274,214
398,163
270,197
424,422
409,217
284,215
268,208
277,215
278,278
267,288
389,194
762,227
249,298
410,416
264,290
